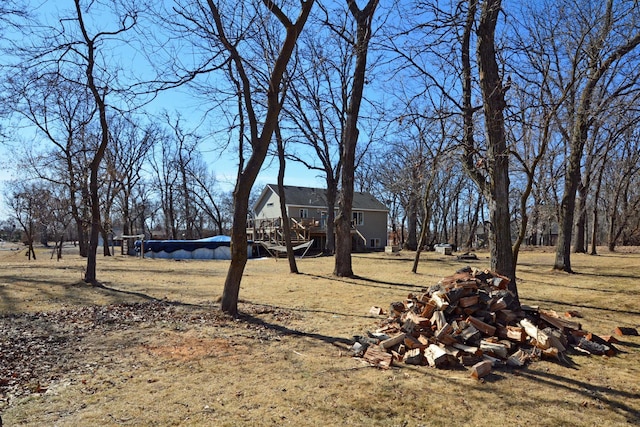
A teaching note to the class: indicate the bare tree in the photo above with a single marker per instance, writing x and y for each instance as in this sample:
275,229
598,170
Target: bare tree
27,202
256,93
598,47
363,19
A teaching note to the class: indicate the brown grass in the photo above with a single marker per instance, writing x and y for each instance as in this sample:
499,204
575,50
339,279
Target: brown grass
284,361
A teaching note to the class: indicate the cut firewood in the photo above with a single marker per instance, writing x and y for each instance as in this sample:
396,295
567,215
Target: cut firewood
376,356
438,319
551,352
469,359
393,341
495,349
428,310
516,334
506,317
481,369
413,357
483,327
497,305
471,317
621,330
440,301
470,334
436,356
559,322
532,330
468,301
423,322
376,311
518,359
593,347
468,349
412,342
423,340
396,308
444,330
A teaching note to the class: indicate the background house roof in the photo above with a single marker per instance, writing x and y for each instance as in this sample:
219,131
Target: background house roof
315,197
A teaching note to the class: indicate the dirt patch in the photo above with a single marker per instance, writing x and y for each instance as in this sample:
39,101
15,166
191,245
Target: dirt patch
193,348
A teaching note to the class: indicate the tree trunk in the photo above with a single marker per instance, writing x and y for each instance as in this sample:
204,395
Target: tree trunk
579,246
411,243
332,195
286,225
259,142
343,267
497,192
96,224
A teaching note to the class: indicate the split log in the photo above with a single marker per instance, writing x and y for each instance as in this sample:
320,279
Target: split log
428,310
559,322
469,359
470,334
497,305
532,330
516,334
412,343
378,357
468,349
518,359
436,356
441,303
438,319
621,330
393,341
444,330
468,301
494,349
483,327
593,347
413,357
506,317
481,369
376,311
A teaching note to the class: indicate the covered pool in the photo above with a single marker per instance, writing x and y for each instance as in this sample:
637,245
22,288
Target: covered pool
216,247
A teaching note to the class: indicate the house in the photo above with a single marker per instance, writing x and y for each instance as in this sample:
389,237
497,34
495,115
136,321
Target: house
307,211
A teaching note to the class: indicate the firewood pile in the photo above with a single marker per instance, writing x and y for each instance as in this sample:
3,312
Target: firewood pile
470,319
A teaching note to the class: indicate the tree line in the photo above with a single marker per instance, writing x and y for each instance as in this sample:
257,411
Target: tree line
475,121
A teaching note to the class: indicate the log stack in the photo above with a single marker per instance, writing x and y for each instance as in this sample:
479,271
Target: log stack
471,319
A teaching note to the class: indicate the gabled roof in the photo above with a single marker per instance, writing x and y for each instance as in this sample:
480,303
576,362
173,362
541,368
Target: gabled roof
316,198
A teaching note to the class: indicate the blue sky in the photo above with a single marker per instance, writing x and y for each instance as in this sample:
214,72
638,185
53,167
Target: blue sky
223,163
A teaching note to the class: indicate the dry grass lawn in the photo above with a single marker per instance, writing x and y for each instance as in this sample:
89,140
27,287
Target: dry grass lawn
174,359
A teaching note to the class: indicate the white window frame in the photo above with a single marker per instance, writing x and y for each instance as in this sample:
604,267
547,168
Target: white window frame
357,218
375,242
304,213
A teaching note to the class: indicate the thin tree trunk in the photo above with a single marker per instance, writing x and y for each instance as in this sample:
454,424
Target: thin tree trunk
286,225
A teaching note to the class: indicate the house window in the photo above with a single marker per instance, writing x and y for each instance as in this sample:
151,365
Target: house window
323,219
270,204
358,218
304,213
375,243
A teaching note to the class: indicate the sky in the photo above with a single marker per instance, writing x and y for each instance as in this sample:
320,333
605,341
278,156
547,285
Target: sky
224,164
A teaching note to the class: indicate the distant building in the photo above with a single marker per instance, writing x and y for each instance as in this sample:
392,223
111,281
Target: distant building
307,211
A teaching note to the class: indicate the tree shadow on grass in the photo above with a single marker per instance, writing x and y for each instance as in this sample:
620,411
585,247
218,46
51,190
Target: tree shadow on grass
589,391
573,304
370,282
286,331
